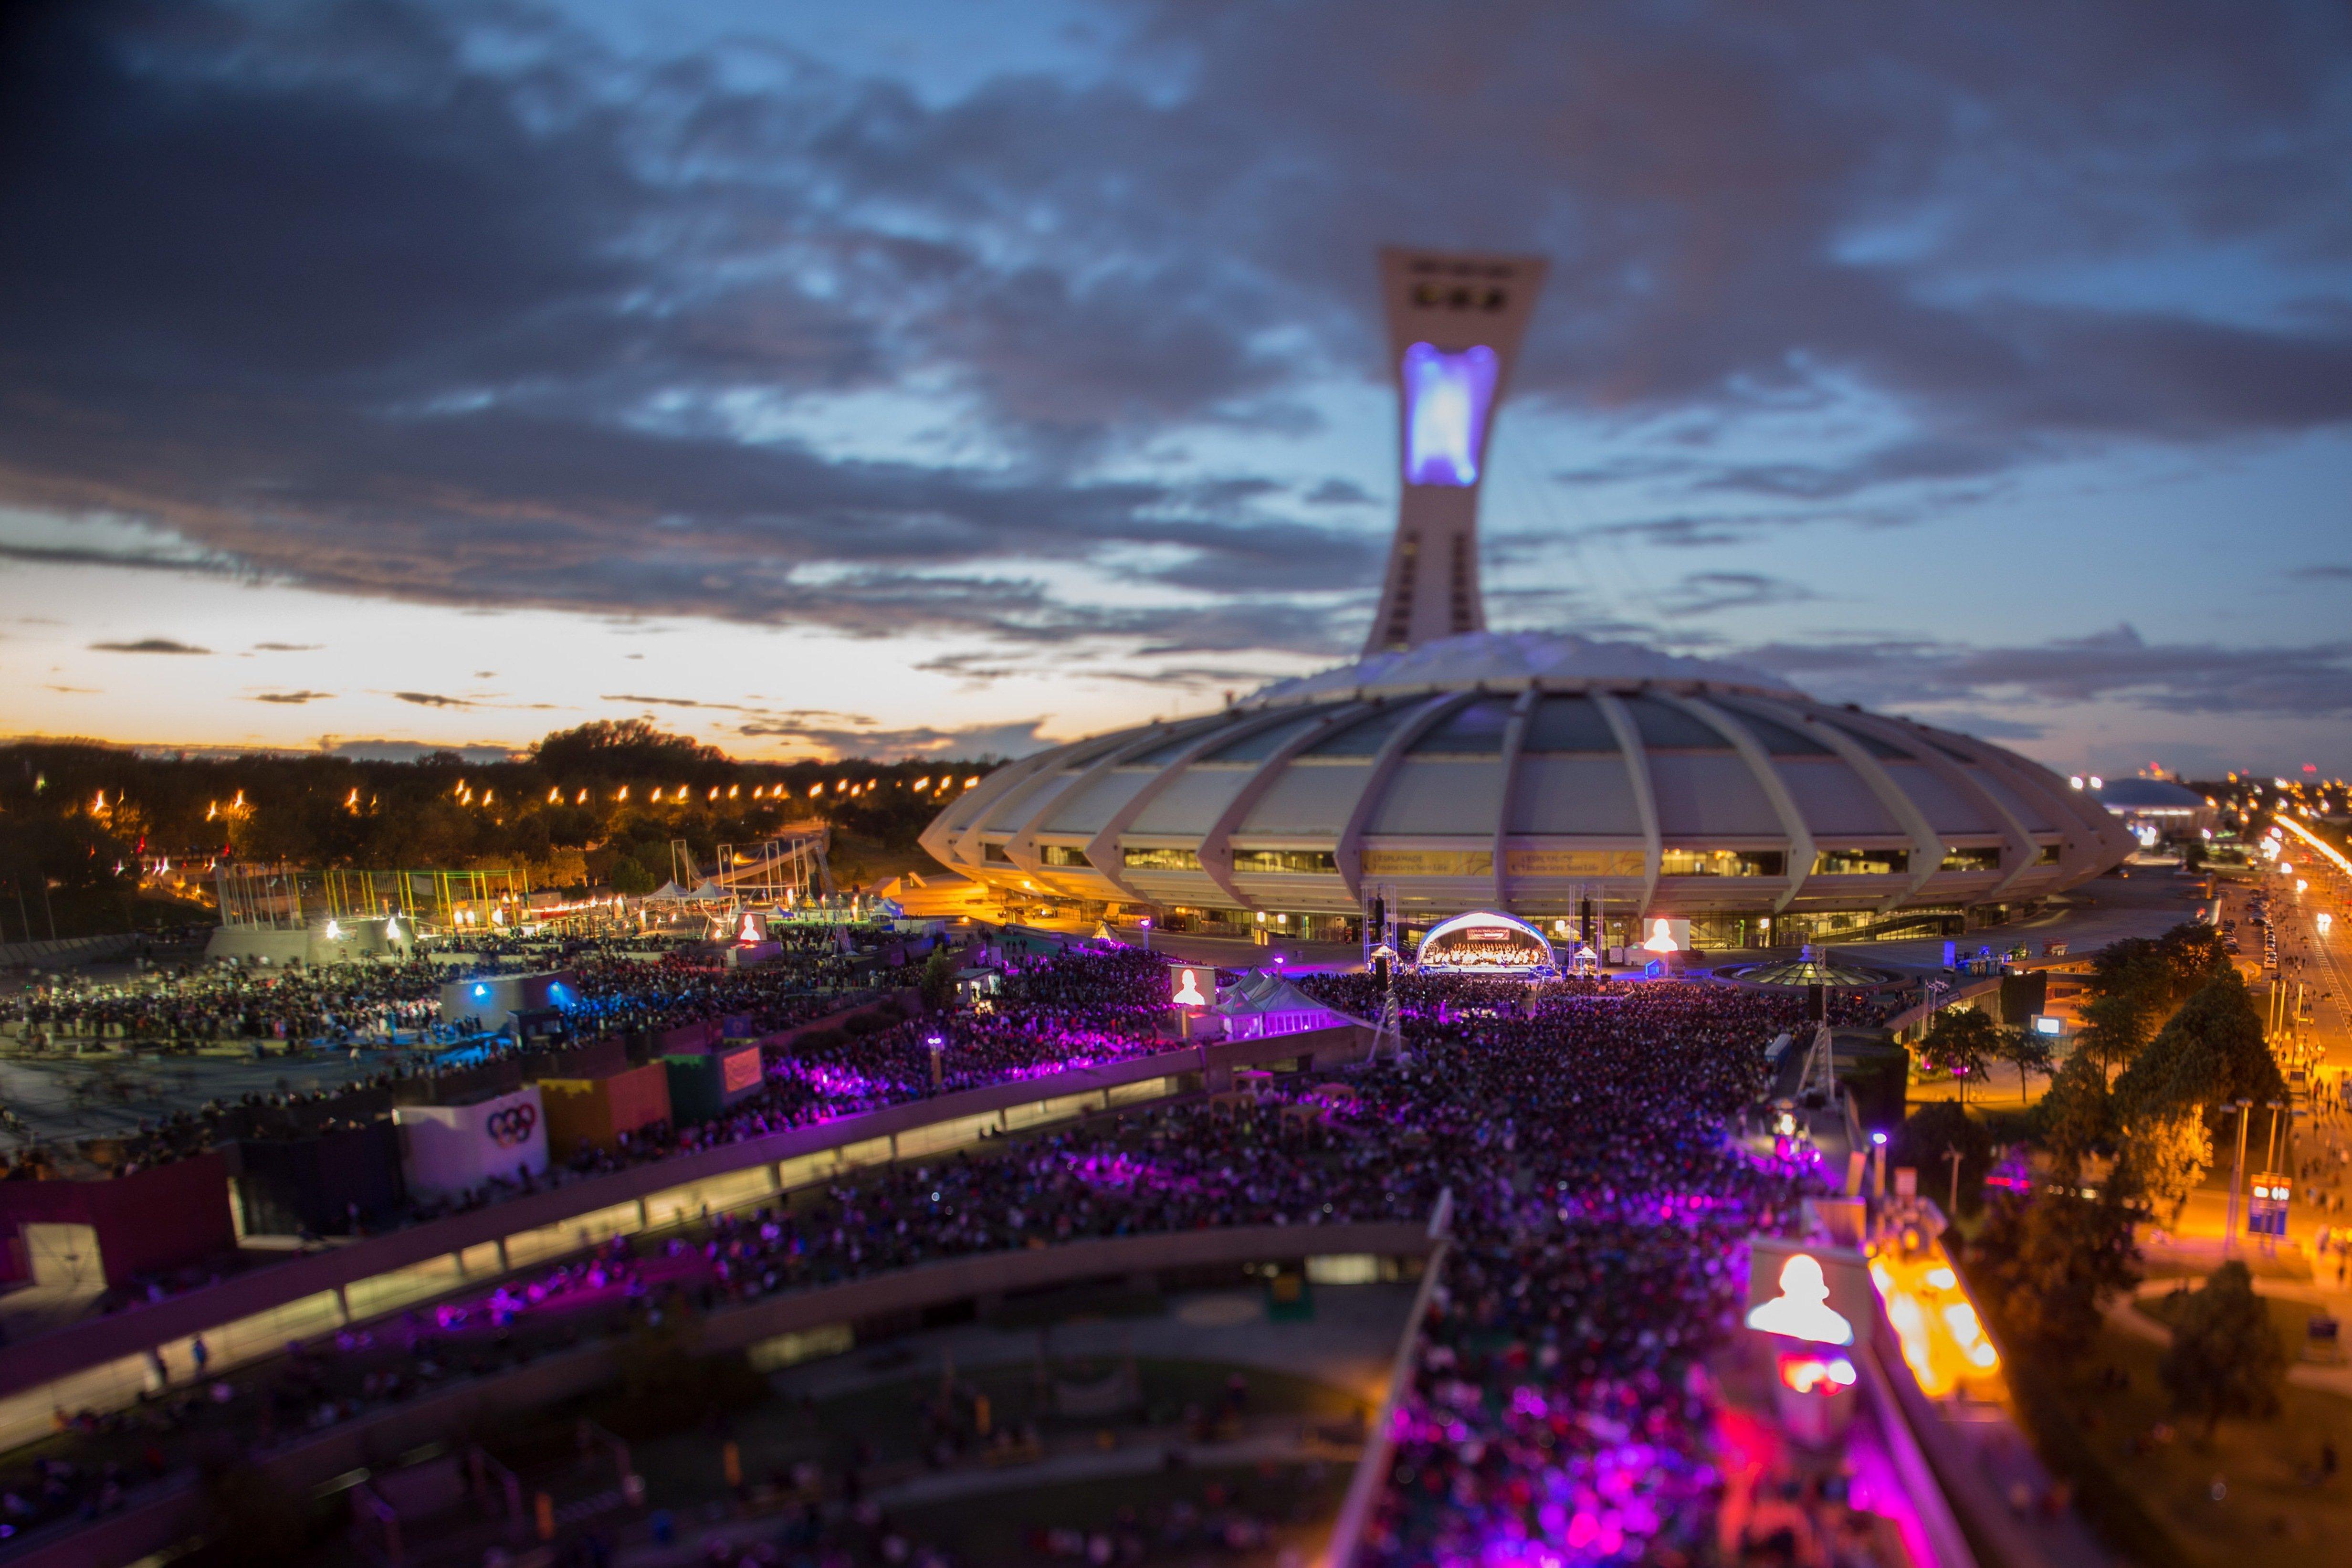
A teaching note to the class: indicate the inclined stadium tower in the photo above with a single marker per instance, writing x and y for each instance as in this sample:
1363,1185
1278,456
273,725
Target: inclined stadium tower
1592,785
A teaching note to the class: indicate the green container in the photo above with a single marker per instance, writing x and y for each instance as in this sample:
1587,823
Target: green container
702,1085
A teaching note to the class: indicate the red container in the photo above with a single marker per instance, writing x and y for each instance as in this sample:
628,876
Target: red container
167,1216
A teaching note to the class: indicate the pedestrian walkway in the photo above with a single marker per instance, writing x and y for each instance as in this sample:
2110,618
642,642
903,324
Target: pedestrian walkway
2124,1313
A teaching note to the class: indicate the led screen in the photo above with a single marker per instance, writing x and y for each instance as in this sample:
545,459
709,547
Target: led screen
1446,396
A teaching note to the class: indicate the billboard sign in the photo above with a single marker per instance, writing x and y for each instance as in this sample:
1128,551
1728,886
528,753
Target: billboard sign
1815,1293
1192,986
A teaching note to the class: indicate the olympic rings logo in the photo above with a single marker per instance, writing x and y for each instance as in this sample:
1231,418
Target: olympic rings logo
513,1126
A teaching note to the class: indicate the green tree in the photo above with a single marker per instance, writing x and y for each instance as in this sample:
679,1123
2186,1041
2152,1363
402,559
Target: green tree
2225,1358
2211,1052
2027,1053
630,877
623,749
938,981
2077,1117
2137,984
2052,1259
1921,1143
2164,1157
1962,1042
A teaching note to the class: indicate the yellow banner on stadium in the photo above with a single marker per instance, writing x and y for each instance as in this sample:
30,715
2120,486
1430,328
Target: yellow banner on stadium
1573,862
1429,863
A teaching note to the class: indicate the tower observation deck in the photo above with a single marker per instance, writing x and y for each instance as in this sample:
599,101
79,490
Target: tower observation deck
1455,324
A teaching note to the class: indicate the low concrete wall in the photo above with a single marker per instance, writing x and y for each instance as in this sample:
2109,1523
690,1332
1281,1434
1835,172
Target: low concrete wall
66,950
157,1517
91,1342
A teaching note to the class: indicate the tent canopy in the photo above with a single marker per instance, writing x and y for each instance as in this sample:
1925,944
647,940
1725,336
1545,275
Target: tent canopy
1261,1002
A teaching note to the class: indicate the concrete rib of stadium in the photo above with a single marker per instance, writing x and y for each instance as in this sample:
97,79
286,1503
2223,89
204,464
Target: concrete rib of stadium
1453,768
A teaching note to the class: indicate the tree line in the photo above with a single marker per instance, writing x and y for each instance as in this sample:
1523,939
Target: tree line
2171,1042
599,803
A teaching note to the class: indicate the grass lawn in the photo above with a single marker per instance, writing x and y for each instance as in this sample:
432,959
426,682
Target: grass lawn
2289,1317
2273,1509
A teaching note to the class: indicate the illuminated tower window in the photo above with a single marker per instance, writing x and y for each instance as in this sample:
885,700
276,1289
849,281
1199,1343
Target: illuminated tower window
1446,397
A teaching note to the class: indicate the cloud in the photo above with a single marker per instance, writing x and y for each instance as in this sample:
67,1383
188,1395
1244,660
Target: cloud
552,321
1709,593
294,698
287,646
2308,681
149,645
2327,574
431,699
1339,493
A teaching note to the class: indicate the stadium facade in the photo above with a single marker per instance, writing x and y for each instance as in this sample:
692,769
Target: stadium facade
1590,785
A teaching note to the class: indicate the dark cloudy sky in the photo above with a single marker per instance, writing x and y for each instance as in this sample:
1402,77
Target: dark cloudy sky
906,377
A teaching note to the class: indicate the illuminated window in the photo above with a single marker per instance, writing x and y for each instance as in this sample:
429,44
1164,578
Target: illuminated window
1303,862
1062,855
1446,398
1861,862
1722,863
1972,858
1161,859
2048,856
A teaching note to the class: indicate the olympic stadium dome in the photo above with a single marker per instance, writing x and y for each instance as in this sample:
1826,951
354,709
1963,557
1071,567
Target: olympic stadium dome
1551,777
1599,785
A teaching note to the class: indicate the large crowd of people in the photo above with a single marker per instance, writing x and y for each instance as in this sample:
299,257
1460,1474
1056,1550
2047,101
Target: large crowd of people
619,984
1559,1402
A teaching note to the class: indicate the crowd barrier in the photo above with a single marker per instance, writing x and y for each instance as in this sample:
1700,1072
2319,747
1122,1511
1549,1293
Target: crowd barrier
156,1518
102,1364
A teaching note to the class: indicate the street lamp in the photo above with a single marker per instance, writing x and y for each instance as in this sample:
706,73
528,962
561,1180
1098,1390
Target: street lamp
1952,1214
2237,1173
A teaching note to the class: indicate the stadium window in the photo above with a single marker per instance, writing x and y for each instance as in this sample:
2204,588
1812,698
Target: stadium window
1062,855
994,855
1861,862
1298,862
2048,856
1722,863
1972,858
1161,859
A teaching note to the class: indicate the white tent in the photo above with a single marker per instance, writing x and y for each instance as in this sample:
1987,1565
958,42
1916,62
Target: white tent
1261,1003
668,893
